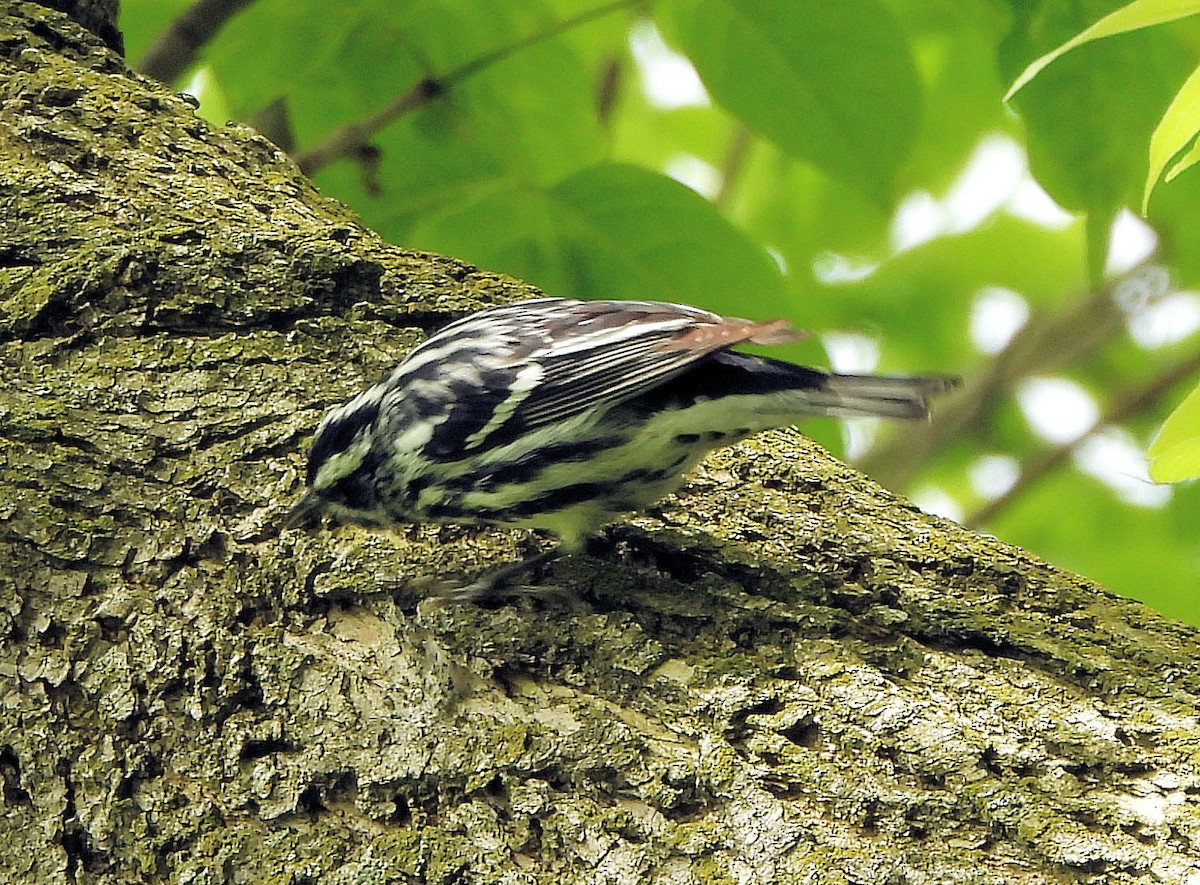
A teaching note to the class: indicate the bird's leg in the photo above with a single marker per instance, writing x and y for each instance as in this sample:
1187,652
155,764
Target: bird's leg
499,580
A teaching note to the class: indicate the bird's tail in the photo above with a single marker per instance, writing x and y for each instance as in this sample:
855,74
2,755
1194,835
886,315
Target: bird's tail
878,396
758,392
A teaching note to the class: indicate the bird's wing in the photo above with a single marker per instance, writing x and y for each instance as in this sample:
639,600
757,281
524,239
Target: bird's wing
557,358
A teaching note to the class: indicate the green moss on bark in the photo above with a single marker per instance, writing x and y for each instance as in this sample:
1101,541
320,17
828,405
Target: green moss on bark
783,674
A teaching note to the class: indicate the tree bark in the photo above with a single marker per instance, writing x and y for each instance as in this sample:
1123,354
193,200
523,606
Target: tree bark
784,674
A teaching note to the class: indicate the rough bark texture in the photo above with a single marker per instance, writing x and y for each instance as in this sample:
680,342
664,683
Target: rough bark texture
783,675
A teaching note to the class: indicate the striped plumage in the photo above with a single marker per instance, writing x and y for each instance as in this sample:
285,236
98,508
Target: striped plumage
561,415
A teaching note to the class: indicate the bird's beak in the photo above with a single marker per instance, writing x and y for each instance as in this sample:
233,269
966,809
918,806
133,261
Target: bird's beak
304,512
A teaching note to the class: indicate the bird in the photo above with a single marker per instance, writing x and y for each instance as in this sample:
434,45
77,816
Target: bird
562,415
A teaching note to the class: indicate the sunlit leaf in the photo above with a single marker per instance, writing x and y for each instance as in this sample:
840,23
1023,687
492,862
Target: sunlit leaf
1177,129
1139,14
1089,116
1175,453
961,96
831,83
1189,159
1172,213
500,125
611,231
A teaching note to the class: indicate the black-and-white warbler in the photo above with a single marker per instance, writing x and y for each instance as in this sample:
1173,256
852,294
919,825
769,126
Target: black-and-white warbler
562,415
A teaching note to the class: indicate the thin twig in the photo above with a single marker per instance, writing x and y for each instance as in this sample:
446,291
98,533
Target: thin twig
735,161
348,140
177,47
1046,343
1122,407
608,90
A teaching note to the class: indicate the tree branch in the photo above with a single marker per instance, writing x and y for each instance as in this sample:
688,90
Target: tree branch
1124,406
350,139
1046,343
176,48
735,161
784,674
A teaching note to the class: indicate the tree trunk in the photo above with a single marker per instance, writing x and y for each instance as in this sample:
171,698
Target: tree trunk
785,674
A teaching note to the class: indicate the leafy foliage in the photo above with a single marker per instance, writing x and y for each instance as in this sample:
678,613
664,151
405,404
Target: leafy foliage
851,165
1175,452
854,121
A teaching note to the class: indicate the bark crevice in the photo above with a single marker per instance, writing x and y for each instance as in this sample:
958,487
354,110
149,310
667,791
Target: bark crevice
783,674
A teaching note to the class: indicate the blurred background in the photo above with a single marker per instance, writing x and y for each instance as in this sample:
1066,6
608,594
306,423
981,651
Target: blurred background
851,165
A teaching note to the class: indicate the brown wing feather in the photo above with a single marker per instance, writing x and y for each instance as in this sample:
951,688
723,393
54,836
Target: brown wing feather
605,352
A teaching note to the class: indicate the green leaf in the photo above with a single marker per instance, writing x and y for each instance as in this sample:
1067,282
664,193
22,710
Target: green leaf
1177,129
831,83
661,239
961,98
528,120
612,231
1175,453
918,301
141,21
332,70
1098,225
1089,117
1139,14
1185,162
